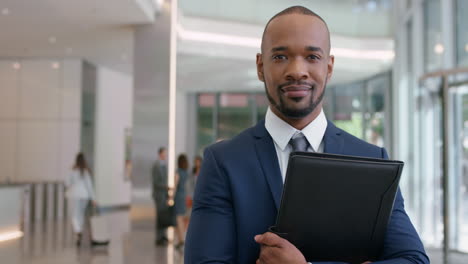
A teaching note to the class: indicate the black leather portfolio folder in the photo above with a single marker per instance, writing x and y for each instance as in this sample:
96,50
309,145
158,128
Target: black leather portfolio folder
336,208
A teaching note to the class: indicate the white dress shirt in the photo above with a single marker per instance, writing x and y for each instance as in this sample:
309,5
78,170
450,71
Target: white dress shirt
282,132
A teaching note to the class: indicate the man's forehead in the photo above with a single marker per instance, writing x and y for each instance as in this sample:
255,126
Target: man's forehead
301,24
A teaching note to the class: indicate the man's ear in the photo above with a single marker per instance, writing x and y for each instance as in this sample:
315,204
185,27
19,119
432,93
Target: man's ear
260,67
331,63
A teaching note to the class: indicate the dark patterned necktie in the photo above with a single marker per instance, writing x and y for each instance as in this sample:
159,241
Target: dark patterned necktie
299,142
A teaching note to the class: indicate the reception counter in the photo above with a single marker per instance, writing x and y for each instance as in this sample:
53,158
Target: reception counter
11,208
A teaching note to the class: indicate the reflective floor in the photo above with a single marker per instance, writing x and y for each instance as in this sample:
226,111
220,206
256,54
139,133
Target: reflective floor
132,241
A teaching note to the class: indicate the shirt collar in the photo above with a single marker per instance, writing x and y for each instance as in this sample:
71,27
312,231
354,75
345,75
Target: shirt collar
281,132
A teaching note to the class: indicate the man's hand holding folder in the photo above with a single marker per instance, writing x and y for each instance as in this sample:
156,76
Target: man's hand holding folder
275,249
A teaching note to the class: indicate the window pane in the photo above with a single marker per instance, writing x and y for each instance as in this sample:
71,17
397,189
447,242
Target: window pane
205,130
462,32
375,115
234,115
433,35
347,108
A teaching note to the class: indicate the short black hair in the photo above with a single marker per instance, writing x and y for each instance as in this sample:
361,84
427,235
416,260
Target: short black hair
161,150
296,10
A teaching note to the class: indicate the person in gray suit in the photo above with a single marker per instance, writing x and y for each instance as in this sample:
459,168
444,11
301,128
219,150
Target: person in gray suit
160,190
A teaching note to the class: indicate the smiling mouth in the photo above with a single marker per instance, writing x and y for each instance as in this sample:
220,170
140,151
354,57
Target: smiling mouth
296,91
293,88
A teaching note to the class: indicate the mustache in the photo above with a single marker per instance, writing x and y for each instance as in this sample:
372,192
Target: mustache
301,83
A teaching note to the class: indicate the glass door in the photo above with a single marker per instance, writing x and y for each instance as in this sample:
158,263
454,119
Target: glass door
440,189
458,177
427,191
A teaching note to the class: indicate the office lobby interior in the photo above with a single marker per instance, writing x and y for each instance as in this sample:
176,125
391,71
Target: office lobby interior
117,80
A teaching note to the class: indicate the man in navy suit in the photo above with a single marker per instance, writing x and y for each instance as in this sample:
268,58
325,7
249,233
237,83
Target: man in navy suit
239,188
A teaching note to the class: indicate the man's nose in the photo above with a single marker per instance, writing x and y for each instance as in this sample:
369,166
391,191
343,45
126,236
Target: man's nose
297,70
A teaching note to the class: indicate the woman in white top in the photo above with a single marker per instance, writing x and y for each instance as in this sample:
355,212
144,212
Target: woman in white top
79,191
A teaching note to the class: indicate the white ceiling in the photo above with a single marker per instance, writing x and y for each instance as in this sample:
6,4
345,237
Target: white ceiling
101,31
218,40
344,17
211,51
98,31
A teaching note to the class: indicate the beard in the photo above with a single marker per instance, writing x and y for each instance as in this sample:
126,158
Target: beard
290,112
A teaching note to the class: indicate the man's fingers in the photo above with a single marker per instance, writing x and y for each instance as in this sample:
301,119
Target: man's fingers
269,239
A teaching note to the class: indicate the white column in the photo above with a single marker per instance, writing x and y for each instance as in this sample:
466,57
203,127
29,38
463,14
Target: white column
151,95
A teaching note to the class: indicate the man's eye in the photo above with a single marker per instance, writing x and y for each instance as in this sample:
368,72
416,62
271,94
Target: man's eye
313,57
279,57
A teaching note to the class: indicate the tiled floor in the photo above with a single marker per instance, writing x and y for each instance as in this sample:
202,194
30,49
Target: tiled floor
132,241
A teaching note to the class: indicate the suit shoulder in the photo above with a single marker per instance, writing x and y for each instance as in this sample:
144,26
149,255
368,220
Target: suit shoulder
237,144
359,147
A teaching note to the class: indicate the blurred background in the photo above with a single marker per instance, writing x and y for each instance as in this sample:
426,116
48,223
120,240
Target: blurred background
105,78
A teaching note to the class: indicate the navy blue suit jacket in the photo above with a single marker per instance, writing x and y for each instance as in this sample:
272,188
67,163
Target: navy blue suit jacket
238,194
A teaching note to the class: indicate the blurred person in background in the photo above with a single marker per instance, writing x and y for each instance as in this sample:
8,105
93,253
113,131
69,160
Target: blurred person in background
179,198
160,189
80,192
192,180
196,166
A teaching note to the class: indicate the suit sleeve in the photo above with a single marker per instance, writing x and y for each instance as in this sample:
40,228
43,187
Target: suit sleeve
402,244
211,236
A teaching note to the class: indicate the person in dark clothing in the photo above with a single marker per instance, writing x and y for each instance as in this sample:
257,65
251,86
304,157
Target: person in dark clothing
179,198
160,190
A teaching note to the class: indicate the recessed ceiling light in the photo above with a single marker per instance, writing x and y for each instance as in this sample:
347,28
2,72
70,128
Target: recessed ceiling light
5,11
159,2
371,6
52,40
16,65
439,48
55,65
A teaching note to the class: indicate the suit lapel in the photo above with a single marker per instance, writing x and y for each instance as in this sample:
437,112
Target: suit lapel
267,156
333,141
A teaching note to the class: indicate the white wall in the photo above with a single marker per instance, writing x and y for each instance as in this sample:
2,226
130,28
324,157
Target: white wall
114,104
40,108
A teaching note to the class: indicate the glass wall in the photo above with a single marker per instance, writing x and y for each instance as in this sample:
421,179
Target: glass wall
462,32
359,108
427,181
206,119
224,115
235,114
434,47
